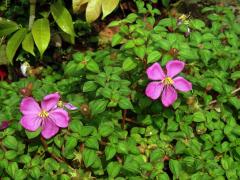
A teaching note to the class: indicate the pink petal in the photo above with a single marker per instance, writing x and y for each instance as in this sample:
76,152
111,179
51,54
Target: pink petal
155,72
154,90
174,67
59,117
31,122
69,106
29,106
182,84
169,96
49,129
50,101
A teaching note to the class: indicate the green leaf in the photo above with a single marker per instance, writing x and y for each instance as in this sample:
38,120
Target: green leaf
98,106
51,165
235,102
164,44
140,51
153,56
125,103
93,66
175,167
28,44
7,27
12,169
105,129
93,10
110,152
89,156
71,143
129,64
14,42
165,3
156,155
10,142
89,86
199,117
108,6
235,75
35,172
34,134
62,17
10,155
41,34
122,148
197,24
116,39
92,142
113,169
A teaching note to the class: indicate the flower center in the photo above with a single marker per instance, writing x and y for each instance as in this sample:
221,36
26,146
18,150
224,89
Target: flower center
168,81
43,114
60,104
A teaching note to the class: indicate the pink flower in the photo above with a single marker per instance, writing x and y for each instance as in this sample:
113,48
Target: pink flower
4,125
46,116
164,85
68,106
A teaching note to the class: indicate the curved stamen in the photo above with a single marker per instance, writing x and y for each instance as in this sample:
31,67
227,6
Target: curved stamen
43,114
167,81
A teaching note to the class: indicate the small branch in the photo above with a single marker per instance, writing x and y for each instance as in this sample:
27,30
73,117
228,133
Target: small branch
233,92
32,13
236,90
124,118
52,155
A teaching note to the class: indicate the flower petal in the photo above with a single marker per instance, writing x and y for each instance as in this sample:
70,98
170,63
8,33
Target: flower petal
50,101
29,106
154,90
182,84
174,67
31,122
59,117
49,128
155,72
169,96
69,106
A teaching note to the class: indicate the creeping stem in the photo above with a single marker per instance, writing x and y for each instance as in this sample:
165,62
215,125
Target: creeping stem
32,13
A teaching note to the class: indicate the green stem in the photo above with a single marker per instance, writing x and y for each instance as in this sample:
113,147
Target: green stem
32,13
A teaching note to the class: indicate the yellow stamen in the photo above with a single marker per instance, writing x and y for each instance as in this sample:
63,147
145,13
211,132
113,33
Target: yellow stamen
168,81
43,114
60,104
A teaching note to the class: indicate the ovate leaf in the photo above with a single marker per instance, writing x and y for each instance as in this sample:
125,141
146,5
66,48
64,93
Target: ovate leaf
28,44
108,6
62,17
77,4
41,34
14,42
7,27
3,56
93,10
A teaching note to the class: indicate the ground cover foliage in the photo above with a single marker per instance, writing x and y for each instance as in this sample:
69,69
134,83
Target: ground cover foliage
117,132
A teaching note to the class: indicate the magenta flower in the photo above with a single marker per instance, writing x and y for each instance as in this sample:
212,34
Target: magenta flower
4,125
164,85
47,116
68,106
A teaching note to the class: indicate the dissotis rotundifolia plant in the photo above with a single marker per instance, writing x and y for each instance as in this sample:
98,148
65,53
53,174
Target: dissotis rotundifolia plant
166,84
48,116
121,128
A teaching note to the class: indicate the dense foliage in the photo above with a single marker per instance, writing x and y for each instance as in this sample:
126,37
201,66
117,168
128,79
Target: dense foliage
117,132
